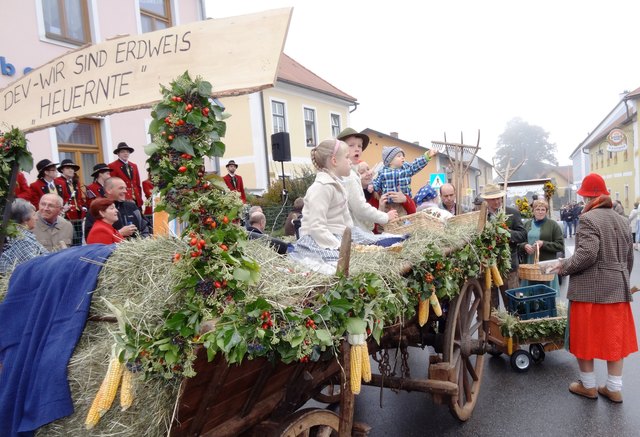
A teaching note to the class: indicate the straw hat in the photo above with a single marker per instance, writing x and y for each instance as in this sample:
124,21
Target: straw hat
492,191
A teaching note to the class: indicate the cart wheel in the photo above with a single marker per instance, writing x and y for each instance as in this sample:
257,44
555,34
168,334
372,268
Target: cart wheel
464,337
330,393
520,361
311,421
537,352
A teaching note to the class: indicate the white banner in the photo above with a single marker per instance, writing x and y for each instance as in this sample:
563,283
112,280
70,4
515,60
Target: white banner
238,55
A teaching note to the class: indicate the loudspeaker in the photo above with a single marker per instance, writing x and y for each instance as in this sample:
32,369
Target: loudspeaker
281,147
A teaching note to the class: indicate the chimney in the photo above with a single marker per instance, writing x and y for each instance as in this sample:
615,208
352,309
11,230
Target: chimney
394,134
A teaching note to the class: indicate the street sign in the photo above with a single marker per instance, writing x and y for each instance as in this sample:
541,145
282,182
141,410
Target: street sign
436,180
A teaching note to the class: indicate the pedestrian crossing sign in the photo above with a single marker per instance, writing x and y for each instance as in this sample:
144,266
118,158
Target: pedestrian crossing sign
436,180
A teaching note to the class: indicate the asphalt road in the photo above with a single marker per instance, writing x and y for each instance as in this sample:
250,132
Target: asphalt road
537,402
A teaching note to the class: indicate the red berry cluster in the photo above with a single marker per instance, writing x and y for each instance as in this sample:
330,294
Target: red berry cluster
311,324
266,320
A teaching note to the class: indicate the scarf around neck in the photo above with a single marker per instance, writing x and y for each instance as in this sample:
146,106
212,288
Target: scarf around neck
602,201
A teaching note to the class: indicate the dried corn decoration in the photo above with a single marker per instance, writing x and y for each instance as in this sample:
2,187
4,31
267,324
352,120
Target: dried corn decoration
106,393
497,279
360,366
423,311
487,278
126,389
435,303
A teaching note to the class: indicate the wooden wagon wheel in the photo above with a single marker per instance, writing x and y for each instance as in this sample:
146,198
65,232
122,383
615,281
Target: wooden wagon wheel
330,393
311,422
463,343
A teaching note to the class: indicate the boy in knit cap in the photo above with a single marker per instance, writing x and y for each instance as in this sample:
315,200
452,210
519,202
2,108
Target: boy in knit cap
396,174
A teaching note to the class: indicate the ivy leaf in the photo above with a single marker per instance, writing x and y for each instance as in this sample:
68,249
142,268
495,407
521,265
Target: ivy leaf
182,144
356,326
324,336
241,274
151,148
204,88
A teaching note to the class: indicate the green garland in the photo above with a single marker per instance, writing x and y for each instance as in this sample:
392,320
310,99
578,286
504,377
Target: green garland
13,150
213,298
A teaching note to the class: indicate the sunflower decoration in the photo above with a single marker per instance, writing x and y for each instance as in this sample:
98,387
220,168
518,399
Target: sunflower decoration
524,207
549,189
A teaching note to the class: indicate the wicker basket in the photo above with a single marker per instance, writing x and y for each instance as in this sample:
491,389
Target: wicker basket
533,272
410,223
476,219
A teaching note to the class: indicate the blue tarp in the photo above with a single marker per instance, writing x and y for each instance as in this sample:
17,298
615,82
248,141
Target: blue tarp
41,320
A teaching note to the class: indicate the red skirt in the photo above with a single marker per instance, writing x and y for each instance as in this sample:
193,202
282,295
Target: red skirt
602,331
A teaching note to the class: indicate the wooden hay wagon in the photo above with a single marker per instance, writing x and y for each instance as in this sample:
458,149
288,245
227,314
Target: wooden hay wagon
262,398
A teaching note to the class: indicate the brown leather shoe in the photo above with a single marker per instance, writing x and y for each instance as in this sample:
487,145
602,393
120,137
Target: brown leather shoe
613,396
578,389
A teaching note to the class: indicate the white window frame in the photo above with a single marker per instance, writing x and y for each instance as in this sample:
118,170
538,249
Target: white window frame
315,125
273,115
335,130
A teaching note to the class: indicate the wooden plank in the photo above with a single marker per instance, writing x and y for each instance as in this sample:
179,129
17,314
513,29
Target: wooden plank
258,387
422,385
213,392
238,55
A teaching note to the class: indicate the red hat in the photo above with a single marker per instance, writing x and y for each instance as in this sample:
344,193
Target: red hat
593,186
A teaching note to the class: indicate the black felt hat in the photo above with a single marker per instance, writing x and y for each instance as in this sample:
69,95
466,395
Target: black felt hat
44,164
99,168
68,163
123,146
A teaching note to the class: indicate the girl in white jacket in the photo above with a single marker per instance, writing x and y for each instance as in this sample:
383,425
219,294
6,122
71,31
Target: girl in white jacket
325,214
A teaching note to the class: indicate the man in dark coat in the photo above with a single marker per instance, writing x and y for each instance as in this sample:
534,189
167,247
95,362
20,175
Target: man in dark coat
494,196
127,171
257,223
130,220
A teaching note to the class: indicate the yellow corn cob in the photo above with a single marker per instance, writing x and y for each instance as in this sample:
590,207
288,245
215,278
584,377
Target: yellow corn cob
497,279
126,390
366,365
106,393
509,346
487,278
356,368
435,303
423,312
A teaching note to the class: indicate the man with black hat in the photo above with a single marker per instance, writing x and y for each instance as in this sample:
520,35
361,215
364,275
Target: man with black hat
72,198
494,196
127,171
45,183
234,181
95,190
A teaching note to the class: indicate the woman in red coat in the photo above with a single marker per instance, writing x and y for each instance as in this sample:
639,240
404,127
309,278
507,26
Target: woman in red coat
105,214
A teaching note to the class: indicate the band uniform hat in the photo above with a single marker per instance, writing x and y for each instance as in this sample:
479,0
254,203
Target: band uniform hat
232,162
44,164
351,132
123,146
388,153
492,191
593,185
99,168
68,163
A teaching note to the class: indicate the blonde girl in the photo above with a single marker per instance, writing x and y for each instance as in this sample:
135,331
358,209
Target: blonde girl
325,214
